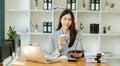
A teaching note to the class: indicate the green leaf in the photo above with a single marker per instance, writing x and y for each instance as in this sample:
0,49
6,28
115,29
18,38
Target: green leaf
11,32
112,5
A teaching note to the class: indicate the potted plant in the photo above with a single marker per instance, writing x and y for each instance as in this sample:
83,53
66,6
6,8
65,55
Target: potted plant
108,28
106,6
83,5
35,26
13,38
104,29
36,4
81,27
112,5
11,32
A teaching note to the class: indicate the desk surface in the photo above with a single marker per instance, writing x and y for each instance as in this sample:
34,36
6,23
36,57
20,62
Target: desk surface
80,62
1,64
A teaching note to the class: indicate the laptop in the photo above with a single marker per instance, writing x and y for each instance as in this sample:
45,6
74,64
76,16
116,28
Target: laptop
33,53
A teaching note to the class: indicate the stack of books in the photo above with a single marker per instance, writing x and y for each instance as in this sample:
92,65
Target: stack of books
95,5
47,5
95,57
47,27
71,4
94,28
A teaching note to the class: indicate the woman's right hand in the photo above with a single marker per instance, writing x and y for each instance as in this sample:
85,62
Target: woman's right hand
62,40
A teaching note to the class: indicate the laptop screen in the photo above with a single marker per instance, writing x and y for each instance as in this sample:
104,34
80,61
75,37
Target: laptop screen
33,53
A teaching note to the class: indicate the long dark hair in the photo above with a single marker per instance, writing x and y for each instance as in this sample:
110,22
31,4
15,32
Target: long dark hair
73,31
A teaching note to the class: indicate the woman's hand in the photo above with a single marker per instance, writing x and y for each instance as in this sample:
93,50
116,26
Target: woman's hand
62,40
75,54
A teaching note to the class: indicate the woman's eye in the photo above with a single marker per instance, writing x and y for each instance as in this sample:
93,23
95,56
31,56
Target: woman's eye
65,18
69,19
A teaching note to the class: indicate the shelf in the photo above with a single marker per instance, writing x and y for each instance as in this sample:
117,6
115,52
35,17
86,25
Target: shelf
110,34
60,10
40,10
17,10
40,33
26,33
88,34
87,11
110,11
21,10
34,33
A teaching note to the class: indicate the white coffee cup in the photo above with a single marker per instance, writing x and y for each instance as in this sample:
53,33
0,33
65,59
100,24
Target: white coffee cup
63,38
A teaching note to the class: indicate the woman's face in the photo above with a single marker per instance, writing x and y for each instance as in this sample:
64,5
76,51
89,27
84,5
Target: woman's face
66,21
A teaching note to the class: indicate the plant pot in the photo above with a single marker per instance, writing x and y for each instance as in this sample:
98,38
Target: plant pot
81,31
106,8
36,30
111,9
83,9
104,31
108,31
36,8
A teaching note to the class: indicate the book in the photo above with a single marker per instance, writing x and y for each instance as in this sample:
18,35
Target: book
71,4
95,57
47,27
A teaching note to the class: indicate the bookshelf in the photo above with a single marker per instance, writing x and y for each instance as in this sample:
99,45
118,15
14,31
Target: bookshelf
20,13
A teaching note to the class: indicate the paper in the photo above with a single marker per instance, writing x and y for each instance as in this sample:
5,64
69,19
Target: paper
91,57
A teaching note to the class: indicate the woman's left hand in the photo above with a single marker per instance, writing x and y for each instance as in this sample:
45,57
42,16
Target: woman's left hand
75,54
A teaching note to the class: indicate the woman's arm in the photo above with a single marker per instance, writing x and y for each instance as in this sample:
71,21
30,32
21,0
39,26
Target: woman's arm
53,46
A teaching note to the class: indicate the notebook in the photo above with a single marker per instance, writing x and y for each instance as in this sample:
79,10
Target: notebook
33,53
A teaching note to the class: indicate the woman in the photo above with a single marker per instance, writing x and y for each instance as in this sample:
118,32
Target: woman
66,37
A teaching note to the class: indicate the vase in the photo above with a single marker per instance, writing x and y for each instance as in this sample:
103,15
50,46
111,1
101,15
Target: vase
83,9
81,31
108,31
111,9
36,7
36,30
104,31
106,8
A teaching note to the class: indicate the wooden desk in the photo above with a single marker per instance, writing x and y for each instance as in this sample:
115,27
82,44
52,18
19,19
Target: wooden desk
1,64
80,62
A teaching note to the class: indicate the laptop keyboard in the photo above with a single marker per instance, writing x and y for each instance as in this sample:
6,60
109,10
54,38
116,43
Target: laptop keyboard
50,60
